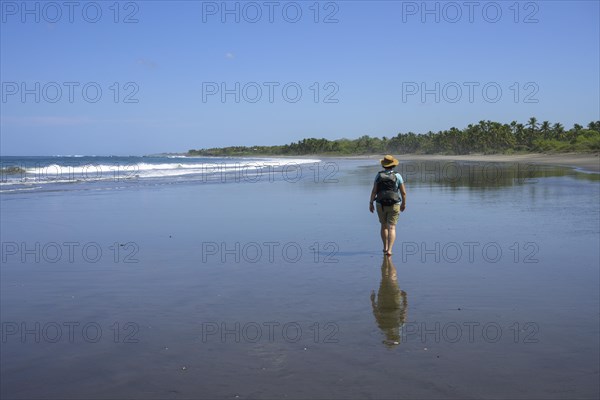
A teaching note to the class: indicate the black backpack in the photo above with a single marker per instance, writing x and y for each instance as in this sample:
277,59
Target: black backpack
387,192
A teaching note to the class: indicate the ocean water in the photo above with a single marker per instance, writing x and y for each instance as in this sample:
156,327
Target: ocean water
59,173
273,285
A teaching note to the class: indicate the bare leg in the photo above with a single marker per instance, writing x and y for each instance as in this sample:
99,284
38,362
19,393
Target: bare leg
384,236
391,238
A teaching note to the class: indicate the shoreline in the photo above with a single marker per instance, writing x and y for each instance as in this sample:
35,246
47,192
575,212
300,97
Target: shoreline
586,162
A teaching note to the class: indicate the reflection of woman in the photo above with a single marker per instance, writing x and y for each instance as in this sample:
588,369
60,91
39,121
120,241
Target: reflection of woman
391,306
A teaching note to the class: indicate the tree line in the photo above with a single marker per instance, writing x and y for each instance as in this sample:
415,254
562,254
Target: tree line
486,137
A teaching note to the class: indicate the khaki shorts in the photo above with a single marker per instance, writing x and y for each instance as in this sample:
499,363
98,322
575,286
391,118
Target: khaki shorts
389,214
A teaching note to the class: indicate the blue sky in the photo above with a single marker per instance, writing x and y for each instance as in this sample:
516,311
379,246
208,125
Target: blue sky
370,62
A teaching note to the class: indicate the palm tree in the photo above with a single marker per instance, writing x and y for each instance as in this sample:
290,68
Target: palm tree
520,134
545,128
532,124
506,140
574,132
558,131
532,130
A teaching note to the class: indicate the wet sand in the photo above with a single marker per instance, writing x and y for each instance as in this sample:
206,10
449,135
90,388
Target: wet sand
279,290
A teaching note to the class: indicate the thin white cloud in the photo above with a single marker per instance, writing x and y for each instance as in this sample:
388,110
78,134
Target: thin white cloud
230,56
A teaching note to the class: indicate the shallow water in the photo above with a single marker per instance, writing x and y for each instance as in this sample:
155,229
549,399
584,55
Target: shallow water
264,290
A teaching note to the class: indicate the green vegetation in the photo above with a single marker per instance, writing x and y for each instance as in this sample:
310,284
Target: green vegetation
486,137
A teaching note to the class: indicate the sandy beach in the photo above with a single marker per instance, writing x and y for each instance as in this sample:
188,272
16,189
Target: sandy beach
587,162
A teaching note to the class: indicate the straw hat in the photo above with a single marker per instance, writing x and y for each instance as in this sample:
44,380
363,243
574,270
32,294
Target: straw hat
389,161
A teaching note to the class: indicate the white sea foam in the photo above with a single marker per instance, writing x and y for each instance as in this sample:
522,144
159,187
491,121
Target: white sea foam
72,172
